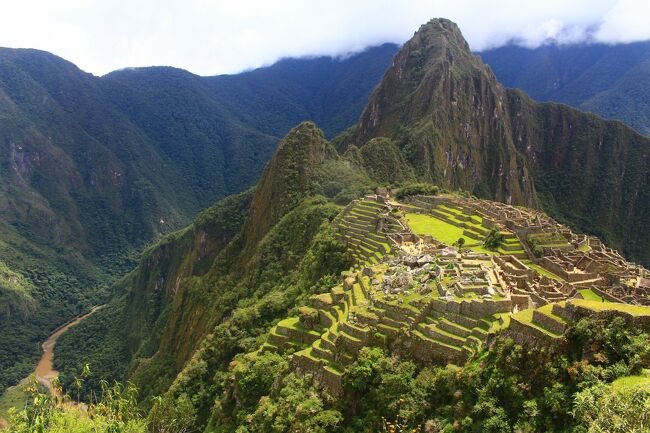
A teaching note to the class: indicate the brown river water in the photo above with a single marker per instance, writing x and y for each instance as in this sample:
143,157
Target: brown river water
45,371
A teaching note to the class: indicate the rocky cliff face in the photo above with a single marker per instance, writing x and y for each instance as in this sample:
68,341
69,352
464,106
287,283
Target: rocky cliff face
459,127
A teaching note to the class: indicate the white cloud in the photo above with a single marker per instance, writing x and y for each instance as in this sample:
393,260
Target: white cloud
222,36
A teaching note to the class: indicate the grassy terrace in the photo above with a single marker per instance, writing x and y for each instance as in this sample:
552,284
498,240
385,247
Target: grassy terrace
447,233
635,310
356,226
589,295
526,317
294,323
442,231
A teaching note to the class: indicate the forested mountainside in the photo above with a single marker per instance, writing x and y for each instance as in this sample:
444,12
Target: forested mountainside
219,284
95,167
330,92
198,308
609,80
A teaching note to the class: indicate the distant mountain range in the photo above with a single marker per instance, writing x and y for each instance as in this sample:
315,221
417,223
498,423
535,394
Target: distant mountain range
612,81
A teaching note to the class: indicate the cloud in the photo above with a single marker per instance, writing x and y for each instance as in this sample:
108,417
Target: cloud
224,36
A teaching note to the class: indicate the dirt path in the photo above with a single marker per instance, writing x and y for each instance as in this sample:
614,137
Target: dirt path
45,371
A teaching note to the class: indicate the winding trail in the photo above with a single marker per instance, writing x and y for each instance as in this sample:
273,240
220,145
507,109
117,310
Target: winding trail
45,372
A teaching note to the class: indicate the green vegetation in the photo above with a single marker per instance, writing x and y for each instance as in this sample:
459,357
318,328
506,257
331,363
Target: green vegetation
443,231
222,286
508,388
113,410
416,189
494,240
590,295
385,163
108,164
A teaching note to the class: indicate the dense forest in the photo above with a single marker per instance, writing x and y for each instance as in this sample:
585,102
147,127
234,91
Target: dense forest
609,80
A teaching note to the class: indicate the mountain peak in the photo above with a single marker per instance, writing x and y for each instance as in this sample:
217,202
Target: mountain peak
442,106
440,32
286,179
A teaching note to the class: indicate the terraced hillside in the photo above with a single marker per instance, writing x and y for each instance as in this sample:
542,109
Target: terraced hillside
408,310
415,291
364,226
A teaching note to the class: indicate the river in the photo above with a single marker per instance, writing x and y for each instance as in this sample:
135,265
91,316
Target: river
45,371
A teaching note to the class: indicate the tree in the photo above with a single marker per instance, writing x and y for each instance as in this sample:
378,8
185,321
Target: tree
493,240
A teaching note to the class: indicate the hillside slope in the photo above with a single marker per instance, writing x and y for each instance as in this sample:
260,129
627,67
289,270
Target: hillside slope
224,279
96,167
609,80
331,92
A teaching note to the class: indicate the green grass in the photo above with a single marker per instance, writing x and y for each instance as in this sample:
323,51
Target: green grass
440,230
548,310
294,323
630,382
589,295
634,310
450,209
496,326
526,317
12,397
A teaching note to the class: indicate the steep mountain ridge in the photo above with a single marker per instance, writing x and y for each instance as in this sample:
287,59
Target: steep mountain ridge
261,249
591,173
328,91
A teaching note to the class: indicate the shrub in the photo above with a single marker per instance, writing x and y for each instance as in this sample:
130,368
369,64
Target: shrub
416,189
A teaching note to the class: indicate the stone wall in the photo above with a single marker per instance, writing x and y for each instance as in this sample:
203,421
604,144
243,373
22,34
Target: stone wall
323,378
606,295
528,335
473,308
549,323
523,302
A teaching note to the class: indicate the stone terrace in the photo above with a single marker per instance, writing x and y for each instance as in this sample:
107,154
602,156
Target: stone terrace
363,227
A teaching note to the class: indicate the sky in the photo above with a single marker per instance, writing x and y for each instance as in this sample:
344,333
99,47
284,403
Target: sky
210,37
